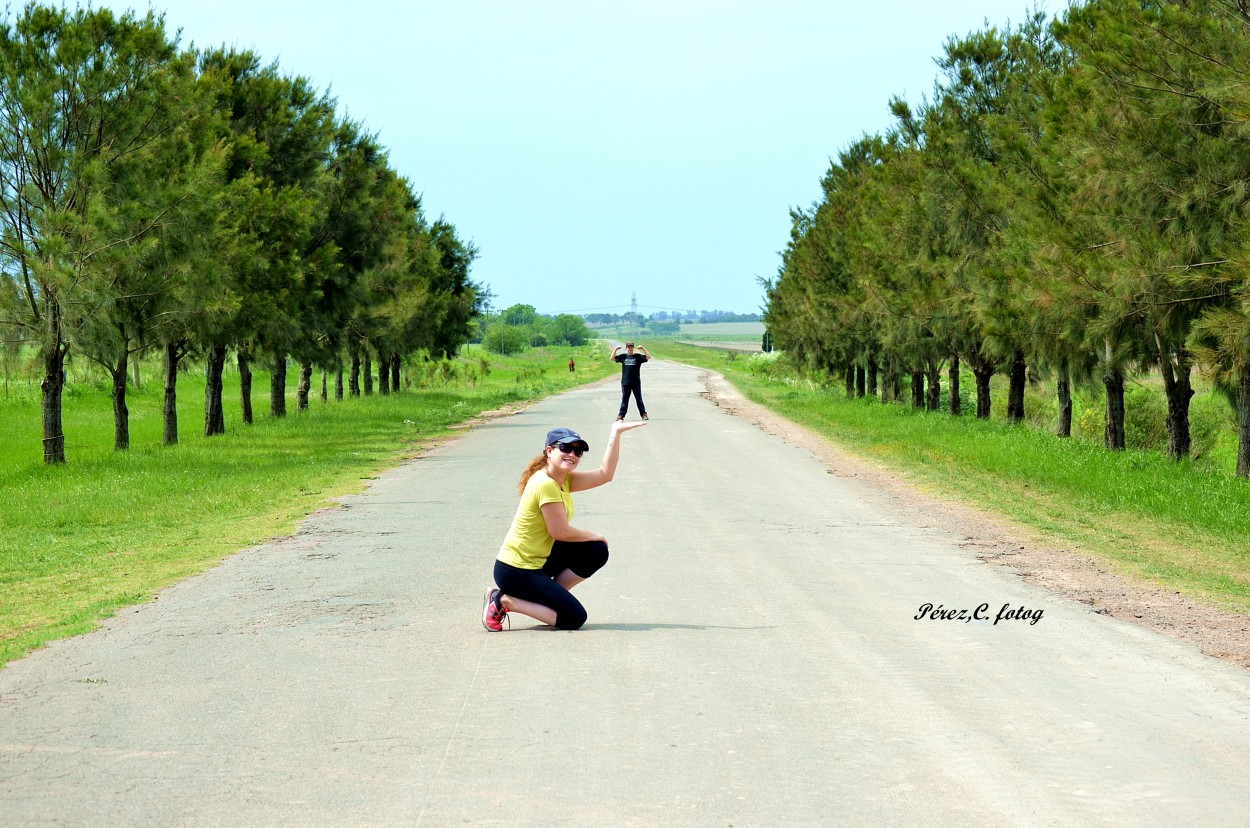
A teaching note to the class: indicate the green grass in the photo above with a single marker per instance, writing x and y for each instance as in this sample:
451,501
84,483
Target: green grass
109,529
1184,525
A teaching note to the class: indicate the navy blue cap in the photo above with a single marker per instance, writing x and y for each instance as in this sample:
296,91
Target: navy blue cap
565,435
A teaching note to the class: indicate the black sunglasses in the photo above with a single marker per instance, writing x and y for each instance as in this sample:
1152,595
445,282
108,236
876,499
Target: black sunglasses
570,448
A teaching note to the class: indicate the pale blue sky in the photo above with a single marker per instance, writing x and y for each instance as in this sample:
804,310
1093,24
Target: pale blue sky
593,150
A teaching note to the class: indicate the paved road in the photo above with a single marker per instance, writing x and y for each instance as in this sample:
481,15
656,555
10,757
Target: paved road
752,659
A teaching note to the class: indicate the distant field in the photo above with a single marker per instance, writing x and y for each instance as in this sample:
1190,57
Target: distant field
699,331
723,330
618,332
735,336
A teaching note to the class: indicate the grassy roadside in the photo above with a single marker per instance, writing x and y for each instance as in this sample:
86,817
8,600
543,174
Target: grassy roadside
1181,526
111,529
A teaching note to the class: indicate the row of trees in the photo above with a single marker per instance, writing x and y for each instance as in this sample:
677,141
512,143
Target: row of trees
154,198
1073,201
521,326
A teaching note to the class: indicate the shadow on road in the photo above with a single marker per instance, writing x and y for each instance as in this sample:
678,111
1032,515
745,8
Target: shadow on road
640,628
649,627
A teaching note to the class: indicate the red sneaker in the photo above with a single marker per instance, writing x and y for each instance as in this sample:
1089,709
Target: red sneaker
493,612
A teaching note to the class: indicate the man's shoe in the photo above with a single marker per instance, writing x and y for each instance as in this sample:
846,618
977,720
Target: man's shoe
618,419
645,417
493,613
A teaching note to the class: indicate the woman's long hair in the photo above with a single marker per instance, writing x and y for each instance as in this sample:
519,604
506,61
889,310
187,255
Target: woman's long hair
537,463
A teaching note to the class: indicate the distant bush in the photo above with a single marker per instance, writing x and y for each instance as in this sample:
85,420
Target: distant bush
1145,418
1209,417
504,339
1090,421
772,365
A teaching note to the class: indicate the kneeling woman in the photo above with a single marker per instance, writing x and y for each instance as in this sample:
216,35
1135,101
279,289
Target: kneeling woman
544,555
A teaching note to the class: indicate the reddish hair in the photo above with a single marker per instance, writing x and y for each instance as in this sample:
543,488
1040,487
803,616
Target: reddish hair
537,463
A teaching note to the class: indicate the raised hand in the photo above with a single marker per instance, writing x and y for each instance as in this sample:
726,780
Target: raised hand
621,425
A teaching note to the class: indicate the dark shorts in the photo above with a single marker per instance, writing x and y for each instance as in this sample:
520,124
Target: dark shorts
584,558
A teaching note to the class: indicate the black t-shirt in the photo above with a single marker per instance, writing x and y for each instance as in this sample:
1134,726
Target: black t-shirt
629,367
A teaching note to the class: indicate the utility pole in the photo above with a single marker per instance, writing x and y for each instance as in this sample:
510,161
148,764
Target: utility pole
633,312
486,325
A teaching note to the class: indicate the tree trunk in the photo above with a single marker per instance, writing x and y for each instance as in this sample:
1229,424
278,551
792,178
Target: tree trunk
1064,391
353,384
861,380
396,364
872,376
1179,390
338,384
982,374
277,385
933,395
1114,383
849,377
1015,391
245,384
169,412
325,386
917,389
121,414
52,386
1243,422
214,421
384,374
367,371
305,385
955,405
134,367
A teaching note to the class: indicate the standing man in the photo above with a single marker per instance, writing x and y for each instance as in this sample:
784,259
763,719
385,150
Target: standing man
631,377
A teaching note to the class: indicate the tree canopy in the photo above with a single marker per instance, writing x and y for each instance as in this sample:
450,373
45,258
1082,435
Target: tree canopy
1069,200
155,198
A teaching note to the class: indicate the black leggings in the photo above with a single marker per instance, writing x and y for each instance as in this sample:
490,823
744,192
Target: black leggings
585,558
636,390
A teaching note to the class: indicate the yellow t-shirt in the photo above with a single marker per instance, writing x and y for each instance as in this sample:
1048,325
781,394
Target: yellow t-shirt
528,543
